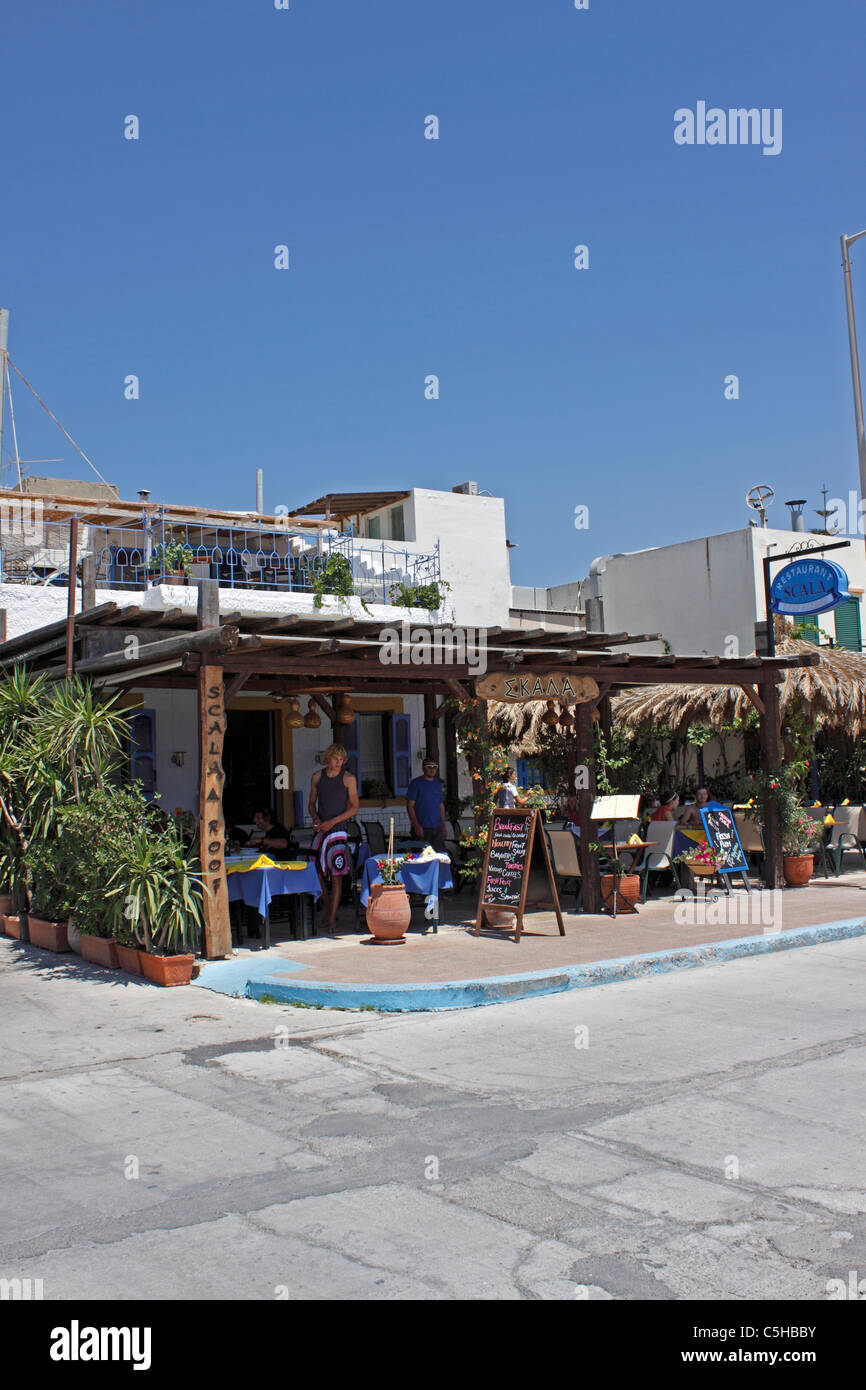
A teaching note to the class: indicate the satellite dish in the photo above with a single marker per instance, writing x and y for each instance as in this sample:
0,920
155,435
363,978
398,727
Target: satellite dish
759,499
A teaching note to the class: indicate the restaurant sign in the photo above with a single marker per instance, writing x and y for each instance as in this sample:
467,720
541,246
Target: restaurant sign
553,685
809,586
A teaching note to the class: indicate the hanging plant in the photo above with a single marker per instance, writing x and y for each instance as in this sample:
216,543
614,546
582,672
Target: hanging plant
336,578
430,596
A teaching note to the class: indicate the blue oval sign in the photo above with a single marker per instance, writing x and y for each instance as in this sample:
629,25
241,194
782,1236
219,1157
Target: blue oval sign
809,586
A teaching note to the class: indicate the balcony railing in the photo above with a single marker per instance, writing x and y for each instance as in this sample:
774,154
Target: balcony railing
256,558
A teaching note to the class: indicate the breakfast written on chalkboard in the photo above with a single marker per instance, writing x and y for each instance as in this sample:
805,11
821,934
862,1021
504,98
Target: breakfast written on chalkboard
511,838
506,859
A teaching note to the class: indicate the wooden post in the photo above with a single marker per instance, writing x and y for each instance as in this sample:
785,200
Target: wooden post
585,797
212,727
431,728
88,582
208,606
452,775
2,624
771,747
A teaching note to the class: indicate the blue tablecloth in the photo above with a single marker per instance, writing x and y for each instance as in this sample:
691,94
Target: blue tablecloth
256,887
429,878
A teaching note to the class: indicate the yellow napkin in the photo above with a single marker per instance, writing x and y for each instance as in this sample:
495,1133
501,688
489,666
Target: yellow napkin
847,801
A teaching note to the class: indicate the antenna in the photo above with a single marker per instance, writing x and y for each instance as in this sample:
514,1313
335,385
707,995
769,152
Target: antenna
823,513
759,498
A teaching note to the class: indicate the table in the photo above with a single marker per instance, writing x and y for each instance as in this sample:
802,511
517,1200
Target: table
428,876
256,886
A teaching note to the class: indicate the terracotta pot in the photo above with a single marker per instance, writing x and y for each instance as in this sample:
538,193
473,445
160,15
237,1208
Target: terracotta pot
166,970
99,950
5,904
130,959
388,912
627,893
12,926
798,869
51,936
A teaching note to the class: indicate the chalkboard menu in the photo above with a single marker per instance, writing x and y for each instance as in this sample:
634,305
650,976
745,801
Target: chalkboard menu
507,845
722,835
507,861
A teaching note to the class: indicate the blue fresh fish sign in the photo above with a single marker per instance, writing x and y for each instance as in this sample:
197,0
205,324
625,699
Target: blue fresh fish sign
809,586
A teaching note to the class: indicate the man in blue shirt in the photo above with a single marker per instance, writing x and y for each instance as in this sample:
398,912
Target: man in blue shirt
425,802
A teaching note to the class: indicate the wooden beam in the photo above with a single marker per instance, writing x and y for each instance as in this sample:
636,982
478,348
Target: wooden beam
755,698
208,605
88,581
212,727
326,707
218,639
585,796
2,625
234,686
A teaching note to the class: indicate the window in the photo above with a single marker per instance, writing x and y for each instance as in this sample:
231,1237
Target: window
398,530
847,617
380,754
142,751
374,527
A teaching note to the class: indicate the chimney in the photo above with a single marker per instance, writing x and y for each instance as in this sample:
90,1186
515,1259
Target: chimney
797,522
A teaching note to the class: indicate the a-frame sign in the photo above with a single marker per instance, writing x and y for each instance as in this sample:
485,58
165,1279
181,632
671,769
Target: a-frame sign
511,838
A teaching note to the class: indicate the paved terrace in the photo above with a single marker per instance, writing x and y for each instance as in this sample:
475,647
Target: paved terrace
457,954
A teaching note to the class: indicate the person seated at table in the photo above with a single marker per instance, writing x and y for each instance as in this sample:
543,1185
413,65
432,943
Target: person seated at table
425,802
508,796
268,833
333,803
692,814
669,801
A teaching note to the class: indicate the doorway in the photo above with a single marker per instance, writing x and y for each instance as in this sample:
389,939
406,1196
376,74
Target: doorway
249,759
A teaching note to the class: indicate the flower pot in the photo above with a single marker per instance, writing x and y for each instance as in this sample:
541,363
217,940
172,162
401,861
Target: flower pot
627,893
388,912
51,936
99,950
130,959
797,869
166,970
12,925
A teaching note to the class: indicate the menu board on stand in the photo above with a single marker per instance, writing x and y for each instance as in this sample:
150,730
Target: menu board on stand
513,839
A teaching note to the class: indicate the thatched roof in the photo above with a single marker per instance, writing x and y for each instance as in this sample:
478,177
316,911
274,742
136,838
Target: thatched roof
833,694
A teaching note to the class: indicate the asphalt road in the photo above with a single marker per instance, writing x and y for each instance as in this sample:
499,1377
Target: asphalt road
693,1136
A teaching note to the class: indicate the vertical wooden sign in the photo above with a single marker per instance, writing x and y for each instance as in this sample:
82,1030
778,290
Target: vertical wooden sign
212,830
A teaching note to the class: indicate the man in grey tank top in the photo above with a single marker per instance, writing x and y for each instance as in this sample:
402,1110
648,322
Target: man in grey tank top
333,802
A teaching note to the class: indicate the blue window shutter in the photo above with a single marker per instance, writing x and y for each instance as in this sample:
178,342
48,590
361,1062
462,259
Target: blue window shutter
142,751
401,753
351,738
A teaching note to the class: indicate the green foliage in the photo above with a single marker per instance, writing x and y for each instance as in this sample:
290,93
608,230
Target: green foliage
153,893
174,557
335,577
430,596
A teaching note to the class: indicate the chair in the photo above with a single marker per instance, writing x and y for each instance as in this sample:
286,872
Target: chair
847,834
375,833
566,861
751,835
658,854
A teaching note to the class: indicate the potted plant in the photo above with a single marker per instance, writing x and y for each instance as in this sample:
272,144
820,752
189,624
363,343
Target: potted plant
172,560
701,861
627,884
51,905
430,596
388,910
335,577
798,840
154,899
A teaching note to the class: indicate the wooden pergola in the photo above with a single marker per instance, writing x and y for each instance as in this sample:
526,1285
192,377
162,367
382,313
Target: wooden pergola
320,655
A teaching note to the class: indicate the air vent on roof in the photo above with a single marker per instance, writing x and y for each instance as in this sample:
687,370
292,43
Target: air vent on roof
470,488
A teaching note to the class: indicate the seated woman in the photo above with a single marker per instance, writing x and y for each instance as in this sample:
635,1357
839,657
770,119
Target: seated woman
669,802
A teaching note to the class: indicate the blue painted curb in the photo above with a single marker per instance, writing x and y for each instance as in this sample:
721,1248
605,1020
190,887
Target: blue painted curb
260,978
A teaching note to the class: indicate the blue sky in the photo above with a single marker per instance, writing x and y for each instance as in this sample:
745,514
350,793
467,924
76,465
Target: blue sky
602,387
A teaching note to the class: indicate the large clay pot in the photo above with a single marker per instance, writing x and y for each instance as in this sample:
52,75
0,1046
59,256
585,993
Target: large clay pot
51,936
12,925
798,869
166,970
5,904
99,950
388,912
627,893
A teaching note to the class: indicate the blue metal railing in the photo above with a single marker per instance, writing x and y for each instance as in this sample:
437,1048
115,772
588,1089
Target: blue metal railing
251,557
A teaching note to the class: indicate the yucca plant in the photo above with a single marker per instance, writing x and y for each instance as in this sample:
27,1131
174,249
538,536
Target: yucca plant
155,893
